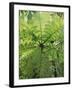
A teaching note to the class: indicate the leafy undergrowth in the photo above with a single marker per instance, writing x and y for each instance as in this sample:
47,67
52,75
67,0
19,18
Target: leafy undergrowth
41,46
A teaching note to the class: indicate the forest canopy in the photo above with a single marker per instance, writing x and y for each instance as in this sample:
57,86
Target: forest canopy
41,44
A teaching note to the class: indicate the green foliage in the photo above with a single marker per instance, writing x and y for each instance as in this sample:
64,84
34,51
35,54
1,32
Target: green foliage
41,44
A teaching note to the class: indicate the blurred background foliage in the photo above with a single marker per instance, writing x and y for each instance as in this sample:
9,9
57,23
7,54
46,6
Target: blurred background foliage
41,44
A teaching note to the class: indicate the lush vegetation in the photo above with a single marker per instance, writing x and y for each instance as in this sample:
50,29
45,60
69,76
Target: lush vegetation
41,44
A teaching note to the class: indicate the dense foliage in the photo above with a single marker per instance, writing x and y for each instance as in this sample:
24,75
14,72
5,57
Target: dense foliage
41,44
